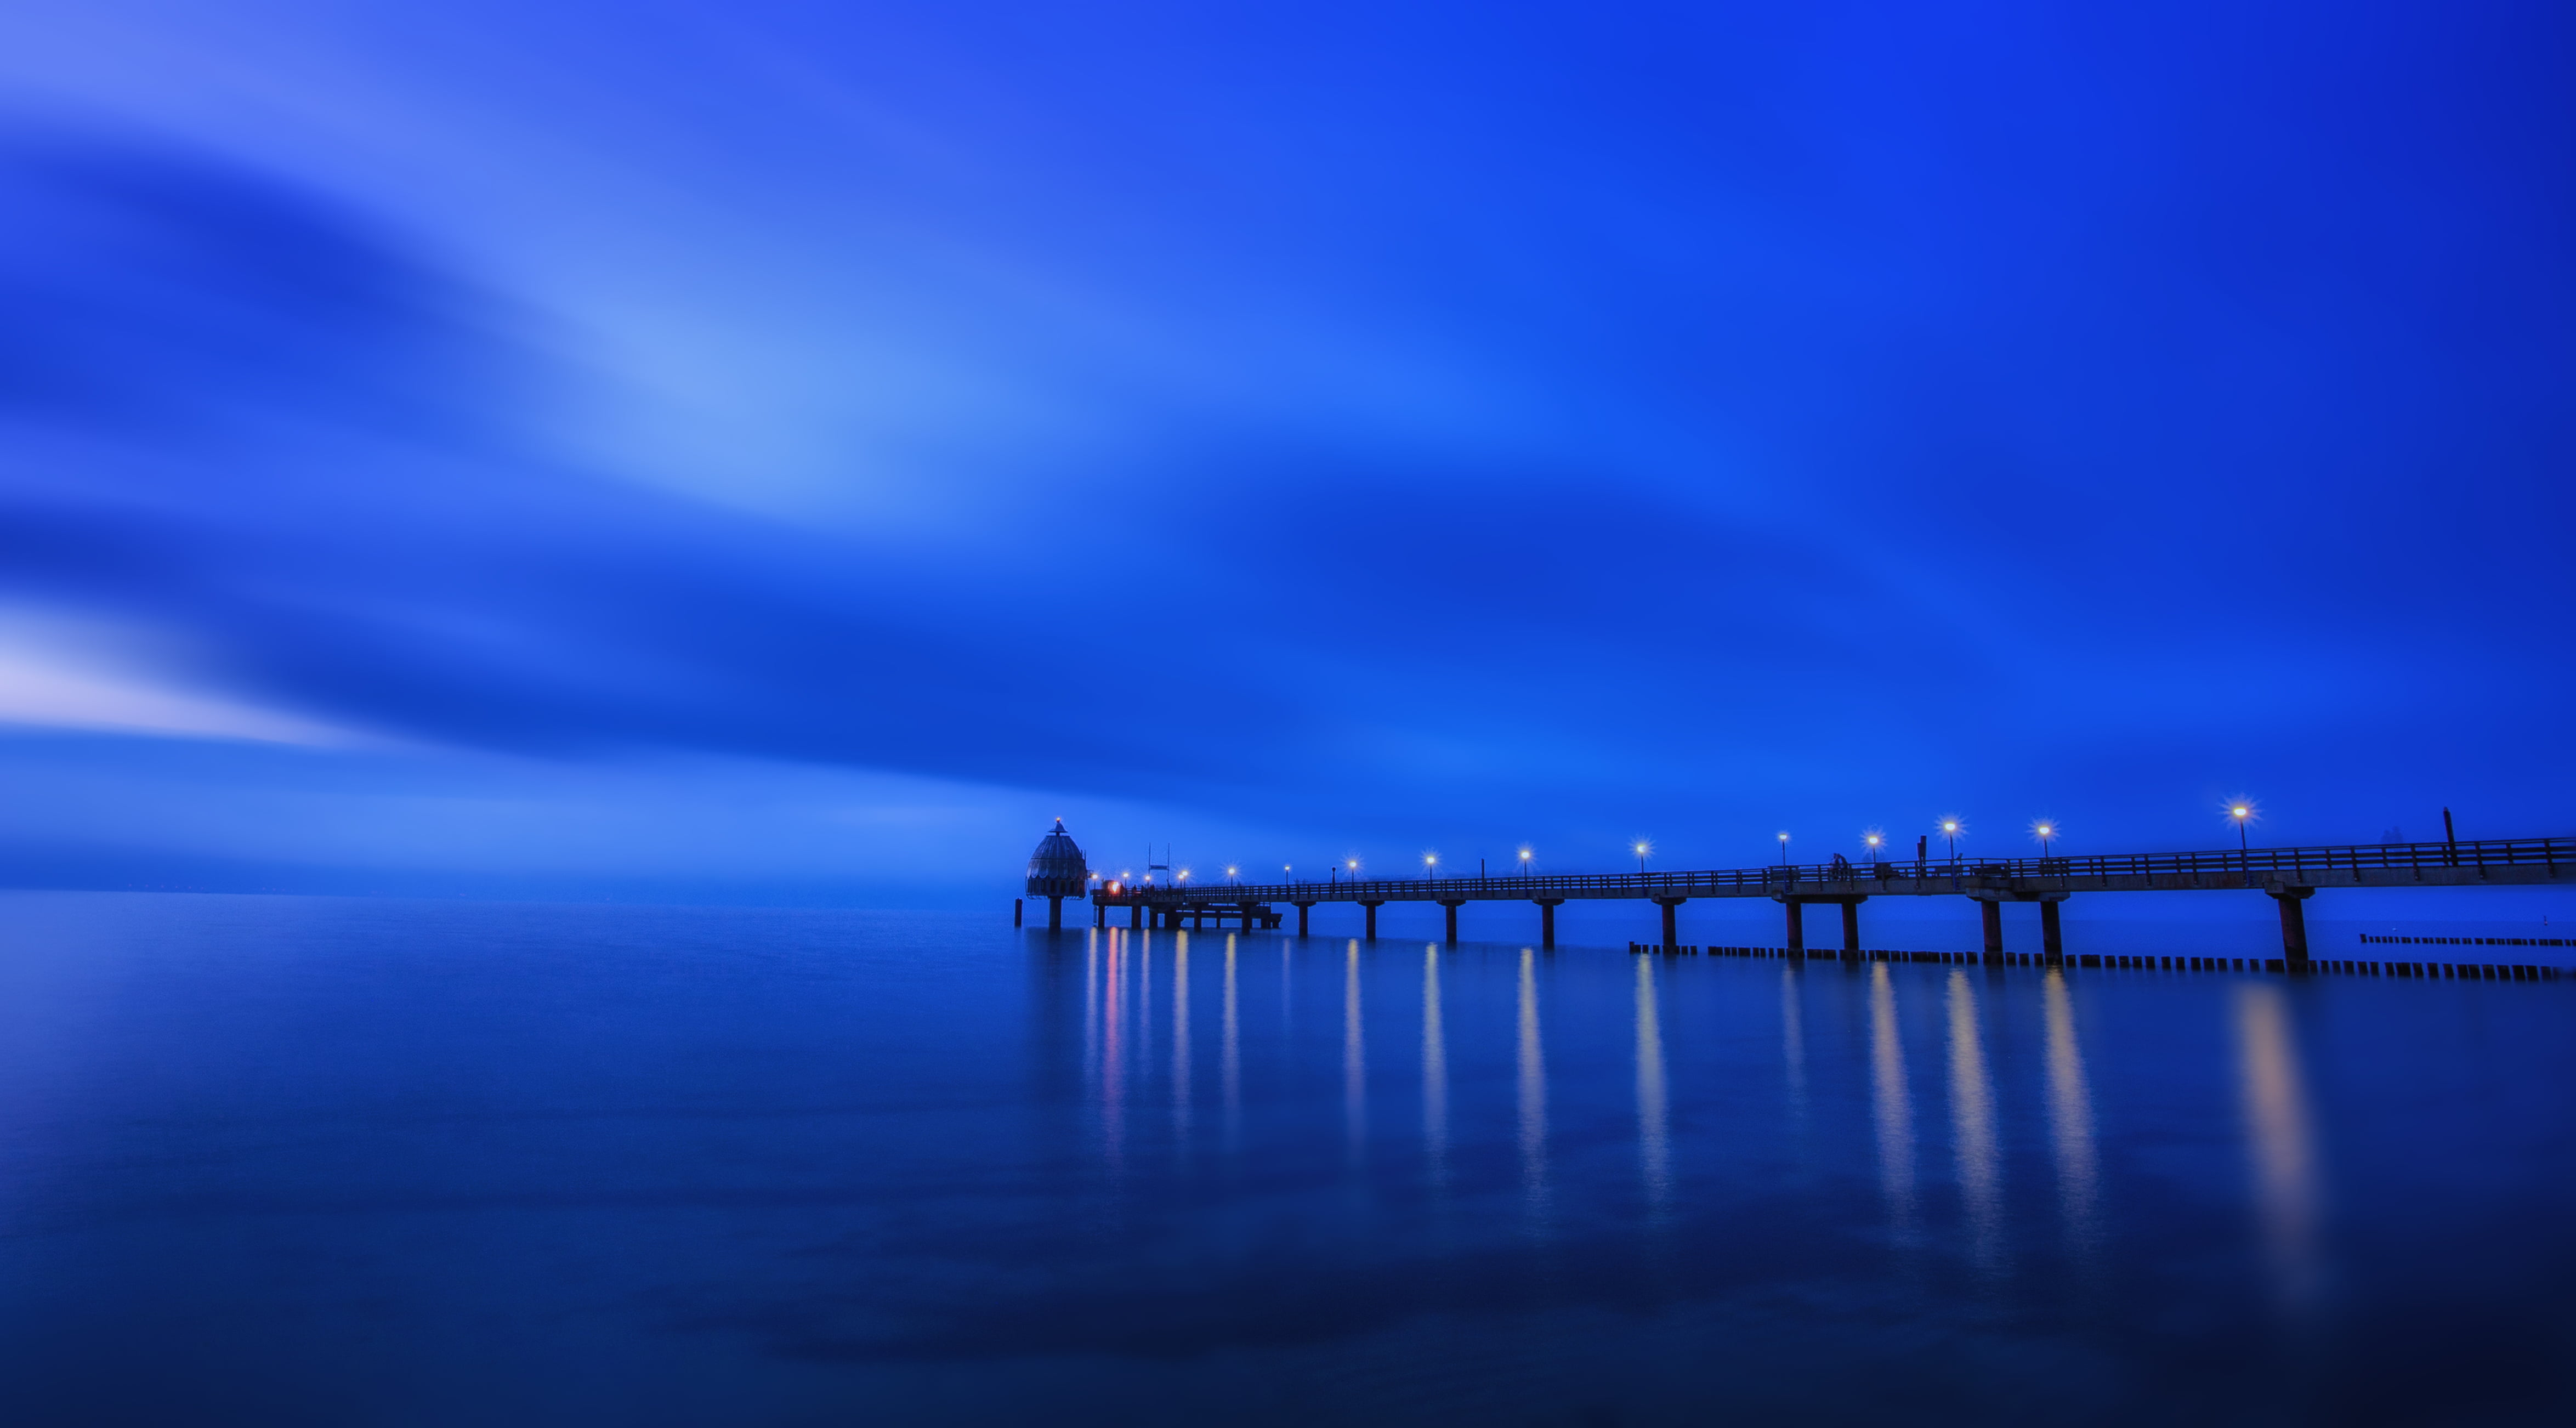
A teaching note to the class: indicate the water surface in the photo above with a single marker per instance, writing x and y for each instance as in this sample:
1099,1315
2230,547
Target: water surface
310,1161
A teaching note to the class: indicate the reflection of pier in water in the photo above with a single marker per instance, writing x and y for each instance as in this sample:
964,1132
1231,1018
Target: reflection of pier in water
1119,999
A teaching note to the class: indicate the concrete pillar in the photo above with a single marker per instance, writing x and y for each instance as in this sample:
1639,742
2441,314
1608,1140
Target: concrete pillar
1672,939
1016,911
1851,924
1055,914
1453,922
2052,944
2294,925
1302,909
1135,915
1372,908
1100,914
1797,923
1547,920
1993,914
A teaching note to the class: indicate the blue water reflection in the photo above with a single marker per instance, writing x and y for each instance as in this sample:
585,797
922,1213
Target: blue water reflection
290,1161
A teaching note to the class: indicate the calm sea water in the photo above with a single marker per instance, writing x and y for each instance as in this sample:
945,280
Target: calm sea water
287,1161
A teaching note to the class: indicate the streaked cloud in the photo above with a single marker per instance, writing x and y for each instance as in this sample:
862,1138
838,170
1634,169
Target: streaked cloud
58,673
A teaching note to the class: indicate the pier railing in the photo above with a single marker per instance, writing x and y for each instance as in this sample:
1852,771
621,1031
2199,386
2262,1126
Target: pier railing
1848,878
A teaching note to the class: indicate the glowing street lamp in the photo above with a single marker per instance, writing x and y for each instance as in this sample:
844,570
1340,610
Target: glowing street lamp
2044,831
1784,850
1525,860
2242,810
1873,838
1643,848
1951,828
1229,873
1429,862
1182,876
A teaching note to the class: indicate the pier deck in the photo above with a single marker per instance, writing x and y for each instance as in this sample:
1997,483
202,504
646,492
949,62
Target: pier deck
2288,875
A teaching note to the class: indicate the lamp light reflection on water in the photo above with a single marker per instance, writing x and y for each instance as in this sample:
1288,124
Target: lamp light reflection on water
1533,1101
1972,1126
1793,1042
2070,1118
1354,1058
1891,1104
2281,1143
1181,1047
1654,1148
1435,1072
1113,1058
1230,1057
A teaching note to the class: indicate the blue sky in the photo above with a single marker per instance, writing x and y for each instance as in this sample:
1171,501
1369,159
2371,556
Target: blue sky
795,451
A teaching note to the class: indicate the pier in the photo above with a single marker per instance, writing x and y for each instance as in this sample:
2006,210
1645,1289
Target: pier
2288,876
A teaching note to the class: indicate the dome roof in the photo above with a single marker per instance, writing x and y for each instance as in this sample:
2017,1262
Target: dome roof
1056,869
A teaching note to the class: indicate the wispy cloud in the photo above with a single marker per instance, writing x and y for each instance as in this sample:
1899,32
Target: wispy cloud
70,673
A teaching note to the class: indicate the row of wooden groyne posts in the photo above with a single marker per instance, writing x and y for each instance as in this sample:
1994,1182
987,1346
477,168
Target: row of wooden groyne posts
2437,971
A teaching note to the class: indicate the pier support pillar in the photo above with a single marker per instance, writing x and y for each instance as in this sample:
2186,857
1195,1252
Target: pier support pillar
2052,942
2294,924
1302,909
1055,914
1672,936
1547,920
1016,910
1372,908
1797,924
1851,924
1135,915
1993,914
1100,914
1453,922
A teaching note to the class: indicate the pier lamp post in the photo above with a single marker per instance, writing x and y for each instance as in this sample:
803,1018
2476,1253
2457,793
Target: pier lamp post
2243,813
1950,830
1784,850
1525,862
2043,830
1429,862
1229,874
1641,857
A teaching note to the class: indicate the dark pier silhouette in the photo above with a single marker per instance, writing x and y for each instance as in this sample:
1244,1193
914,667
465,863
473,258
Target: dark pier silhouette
2288,876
